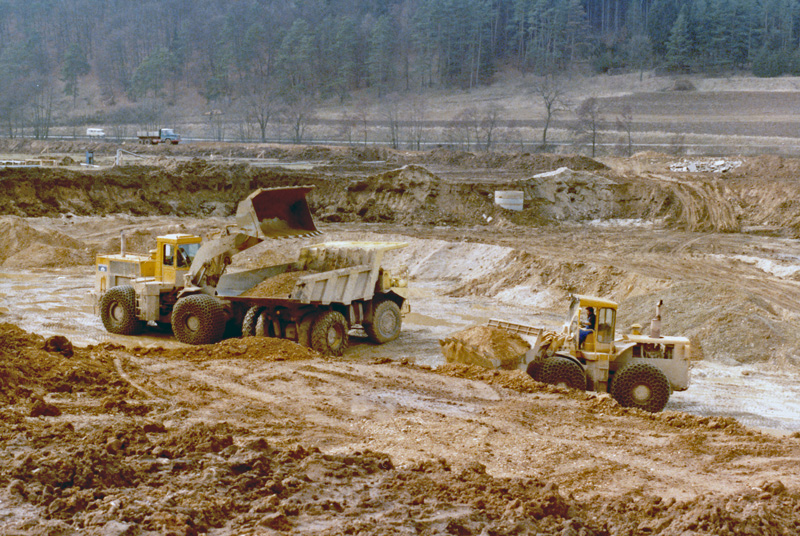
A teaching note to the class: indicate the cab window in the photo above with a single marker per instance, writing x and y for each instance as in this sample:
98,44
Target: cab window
605,325
169,254
186,253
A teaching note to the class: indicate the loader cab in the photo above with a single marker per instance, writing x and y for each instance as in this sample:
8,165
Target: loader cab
174,256
600,341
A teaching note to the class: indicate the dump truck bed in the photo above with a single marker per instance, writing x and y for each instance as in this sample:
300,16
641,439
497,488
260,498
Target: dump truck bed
344,286
333,272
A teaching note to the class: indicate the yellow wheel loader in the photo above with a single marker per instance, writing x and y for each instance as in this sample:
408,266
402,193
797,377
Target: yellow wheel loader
183,283
639,371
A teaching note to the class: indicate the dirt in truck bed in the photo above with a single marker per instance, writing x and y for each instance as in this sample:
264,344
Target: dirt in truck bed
105,434
279,286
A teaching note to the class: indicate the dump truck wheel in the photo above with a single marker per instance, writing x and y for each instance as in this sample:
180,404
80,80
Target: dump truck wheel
641,386
304,327
264,325
198,319
564,373
249,322
386,322
329,334
118,311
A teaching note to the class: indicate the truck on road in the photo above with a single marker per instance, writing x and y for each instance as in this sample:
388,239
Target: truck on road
162,135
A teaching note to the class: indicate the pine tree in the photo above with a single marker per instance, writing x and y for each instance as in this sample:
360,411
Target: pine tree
74,66
679,47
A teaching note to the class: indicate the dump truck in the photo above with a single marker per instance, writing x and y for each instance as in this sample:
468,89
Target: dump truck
331,288
183,284
162,135
639,371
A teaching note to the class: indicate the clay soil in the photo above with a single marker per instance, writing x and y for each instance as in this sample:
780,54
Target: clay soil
129,435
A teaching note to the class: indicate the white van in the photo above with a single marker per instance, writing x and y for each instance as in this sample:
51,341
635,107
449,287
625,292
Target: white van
95,132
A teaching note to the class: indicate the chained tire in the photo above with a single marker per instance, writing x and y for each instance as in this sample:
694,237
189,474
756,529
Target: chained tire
329,333
563,373
118,311
249,322
534,369
304,329
642,386
264,327
386,322
198,319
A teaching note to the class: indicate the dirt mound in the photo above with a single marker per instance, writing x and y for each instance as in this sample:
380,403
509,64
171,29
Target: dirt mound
485,346
261,348
22,246
565,194
511,161
28,370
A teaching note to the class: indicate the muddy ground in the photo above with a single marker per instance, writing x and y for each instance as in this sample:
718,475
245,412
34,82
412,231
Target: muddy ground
121,435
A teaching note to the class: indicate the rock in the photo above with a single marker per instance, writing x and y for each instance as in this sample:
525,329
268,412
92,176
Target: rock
43,409
117,528
59,344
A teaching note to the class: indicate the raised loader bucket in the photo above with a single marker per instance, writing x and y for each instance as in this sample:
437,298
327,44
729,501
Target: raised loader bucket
277,213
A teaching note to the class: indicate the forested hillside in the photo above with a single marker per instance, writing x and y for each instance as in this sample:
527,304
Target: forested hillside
257,50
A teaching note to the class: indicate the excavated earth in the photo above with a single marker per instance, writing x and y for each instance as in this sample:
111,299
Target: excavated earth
114,435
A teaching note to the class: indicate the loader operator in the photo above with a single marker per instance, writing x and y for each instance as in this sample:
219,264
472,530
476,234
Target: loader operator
588,327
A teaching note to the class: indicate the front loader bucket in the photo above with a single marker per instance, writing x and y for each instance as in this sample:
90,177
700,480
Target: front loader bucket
277,213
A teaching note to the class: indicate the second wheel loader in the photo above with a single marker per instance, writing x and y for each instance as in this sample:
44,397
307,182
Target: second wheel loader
639,371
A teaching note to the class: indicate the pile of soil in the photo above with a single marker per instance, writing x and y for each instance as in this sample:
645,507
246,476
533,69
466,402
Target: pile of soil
279,286
21,246
164,467
483,345
32,367
260,348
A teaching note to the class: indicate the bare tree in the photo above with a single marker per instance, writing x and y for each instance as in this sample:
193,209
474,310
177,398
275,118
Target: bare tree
552,91
299,112
625,124
589,116
348,124
262,104
362,116
42,103
392,112
416,111
489,122
216,123
466,127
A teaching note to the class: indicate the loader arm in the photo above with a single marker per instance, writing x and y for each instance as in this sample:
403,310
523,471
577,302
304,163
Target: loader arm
265,213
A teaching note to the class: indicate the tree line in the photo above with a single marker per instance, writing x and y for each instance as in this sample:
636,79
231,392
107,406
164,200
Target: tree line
273,53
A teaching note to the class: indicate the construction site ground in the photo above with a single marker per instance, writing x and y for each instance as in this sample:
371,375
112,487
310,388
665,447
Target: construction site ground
114,435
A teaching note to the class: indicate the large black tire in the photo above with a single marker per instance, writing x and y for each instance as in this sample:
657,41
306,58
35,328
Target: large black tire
329,333
198,319
304,328
386,322
118,311
563,372
264,327
249,322
534,370
641,386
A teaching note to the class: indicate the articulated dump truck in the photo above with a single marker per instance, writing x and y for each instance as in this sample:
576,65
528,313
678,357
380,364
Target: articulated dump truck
639,371
184,284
